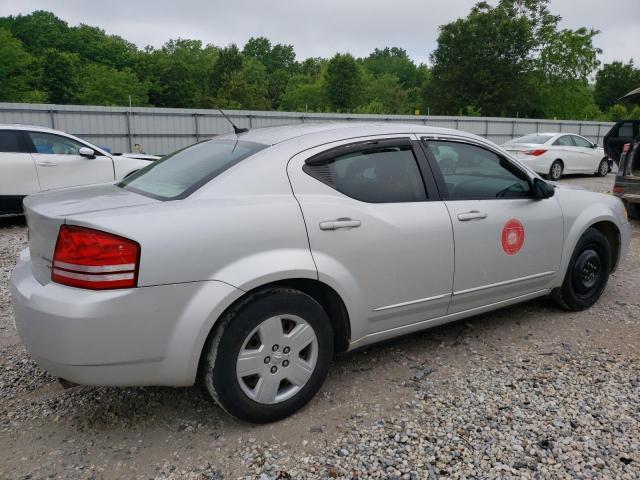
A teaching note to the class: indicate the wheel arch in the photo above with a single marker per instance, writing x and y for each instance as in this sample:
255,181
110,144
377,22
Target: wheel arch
325,295
612,233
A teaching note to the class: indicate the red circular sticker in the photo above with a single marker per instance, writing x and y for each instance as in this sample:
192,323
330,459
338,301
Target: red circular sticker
512,237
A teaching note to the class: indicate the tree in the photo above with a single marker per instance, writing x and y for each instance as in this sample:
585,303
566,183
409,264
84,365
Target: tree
38,31
503,60
343,83
61,76
613,81
103,85
18,71
393,61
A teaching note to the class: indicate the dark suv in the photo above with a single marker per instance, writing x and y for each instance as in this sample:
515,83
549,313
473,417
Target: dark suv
622,145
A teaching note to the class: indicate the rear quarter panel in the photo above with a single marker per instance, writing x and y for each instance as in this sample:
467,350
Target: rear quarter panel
244,228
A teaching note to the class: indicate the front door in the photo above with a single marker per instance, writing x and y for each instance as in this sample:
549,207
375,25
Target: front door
377,235
508,245
60,165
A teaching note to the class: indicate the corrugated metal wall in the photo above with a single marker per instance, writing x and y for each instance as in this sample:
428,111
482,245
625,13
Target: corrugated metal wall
163,130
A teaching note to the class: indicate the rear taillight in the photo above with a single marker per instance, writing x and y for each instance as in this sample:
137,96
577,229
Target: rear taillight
88,258
535,153
619,190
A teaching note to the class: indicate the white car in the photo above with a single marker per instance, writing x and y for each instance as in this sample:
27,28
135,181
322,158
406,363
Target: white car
247,260
33,159
553,154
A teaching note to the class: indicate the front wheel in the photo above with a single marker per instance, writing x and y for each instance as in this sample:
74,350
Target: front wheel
587,274
555,172
603,168
269,356
633,210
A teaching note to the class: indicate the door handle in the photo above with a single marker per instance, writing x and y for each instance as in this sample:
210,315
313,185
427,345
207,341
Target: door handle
47,163
340,223
472,215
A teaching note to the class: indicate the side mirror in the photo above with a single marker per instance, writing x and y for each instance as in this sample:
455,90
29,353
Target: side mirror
87,152
594,145
542,189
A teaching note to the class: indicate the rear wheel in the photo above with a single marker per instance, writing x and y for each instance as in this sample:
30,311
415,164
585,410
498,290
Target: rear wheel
270,355
603,168
587,274
555,172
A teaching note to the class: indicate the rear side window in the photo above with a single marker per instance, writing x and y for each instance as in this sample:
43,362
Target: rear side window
386,175
181,173
564,141
534,138
626,130
9,141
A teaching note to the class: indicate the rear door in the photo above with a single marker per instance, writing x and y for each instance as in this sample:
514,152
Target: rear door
508,245
18,175
60,165
375,230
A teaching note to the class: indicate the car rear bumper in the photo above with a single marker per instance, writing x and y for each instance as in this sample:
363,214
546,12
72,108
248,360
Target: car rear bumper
138,336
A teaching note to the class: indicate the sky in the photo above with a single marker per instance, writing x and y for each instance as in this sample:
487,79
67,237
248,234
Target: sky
325,27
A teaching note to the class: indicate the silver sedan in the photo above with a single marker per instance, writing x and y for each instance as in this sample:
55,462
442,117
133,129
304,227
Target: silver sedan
249,260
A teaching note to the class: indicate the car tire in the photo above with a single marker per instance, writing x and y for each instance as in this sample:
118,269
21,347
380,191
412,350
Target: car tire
603,168
285,339
633,210
587,274
555,171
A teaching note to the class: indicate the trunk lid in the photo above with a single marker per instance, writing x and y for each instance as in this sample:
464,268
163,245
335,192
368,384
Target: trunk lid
46,212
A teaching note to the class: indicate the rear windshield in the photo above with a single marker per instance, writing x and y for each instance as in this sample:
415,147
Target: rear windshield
533,138
181,173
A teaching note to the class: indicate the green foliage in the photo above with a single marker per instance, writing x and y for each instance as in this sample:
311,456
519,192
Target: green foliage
18,71
344,86
511,60
504,60
103,85
61,76
613,81
619,112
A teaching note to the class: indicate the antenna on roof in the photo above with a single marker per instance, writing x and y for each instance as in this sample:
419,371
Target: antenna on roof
235,129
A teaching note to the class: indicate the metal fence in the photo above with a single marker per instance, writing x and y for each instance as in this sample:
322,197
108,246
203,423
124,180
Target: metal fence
163,130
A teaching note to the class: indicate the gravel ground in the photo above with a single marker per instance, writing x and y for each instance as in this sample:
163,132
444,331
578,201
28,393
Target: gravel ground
528,391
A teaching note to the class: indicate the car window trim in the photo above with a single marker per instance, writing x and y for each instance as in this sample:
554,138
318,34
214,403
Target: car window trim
439,177
426,175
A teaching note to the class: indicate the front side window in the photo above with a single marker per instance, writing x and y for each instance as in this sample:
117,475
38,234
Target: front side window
179,174
386,175
9,141
473,173
54,144
581,142
564,141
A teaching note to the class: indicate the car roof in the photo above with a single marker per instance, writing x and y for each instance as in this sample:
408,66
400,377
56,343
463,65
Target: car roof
338,131
22,126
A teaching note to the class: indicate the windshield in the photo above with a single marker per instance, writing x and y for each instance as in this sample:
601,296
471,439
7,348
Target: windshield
181,173
534,138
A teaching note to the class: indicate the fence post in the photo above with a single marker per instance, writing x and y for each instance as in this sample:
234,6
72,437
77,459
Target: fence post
598,139
580,129
129,136
197,129
52,118
250,121
513,129
486,129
